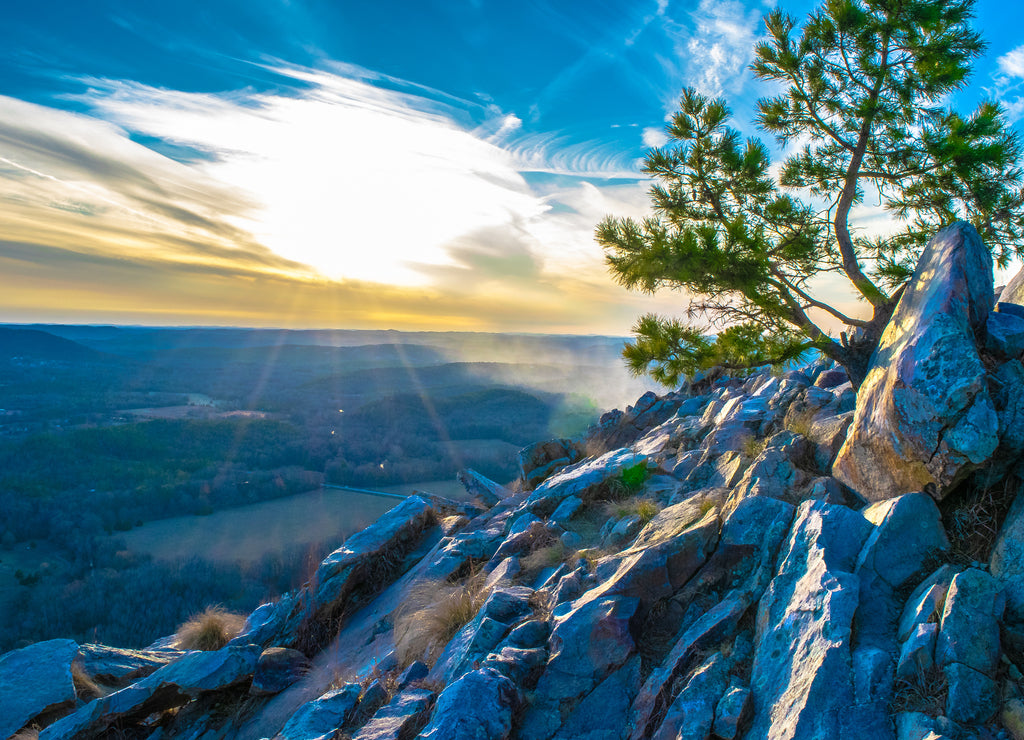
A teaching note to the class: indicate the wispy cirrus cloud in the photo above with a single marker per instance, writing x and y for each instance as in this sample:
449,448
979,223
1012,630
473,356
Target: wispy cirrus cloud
713,45
1009,83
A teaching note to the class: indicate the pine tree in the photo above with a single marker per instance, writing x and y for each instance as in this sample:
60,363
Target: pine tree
866,82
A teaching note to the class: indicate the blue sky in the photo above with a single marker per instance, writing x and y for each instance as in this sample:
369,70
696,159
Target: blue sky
388,164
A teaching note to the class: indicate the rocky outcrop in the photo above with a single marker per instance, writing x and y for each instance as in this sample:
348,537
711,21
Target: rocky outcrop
924,415
688,569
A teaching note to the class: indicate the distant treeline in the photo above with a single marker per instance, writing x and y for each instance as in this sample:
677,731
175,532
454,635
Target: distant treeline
131,601
76,468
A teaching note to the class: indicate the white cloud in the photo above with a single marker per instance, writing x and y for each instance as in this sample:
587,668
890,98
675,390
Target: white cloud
358,180
654,136
377,183
1011,64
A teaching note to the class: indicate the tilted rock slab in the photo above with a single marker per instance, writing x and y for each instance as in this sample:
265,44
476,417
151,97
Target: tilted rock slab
802,677
34,680
174,685
368,559
924,414
120,666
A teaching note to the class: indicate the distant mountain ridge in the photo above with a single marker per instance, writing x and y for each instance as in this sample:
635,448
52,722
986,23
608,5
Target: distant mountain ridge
42,345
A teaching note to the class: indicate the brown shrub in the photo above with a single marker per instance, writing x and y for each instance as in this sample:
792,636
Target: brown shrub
211,629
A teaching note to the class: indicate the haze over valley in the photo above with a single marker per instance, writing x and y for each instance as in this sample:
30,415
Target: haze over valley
138,461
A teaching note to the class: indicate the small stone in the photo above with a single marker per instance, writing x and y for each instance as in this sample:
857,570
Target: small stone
917,656
571,541
1012,717
731,710
416,671
926,601
532,633
625,529
277,669
914,726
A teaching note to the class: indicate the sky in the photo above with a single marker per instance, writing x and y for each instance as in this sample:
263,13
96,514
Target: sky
428,165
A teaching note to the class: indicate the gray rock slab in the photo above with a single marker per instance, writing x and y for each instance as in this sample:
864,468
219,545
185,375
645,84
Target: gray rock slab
732,710
481,487
277,669
624,530
586,645
322,716
828,434
917,656
113,665
972,696
603,714
924,414
802,680
969,630
541,459
666,553
566,510
1007,560
926,601
399,718
483,633
1008,396
580,477
172,686
908,534
1004,335
341,567
711,628
477,706
873,681
504,573
773,473
692,712
34,680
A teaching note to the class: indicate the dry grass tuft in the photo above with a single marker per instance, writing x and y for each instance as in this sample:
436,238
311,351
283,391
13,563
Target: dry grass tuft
754,446
973,517
86,688
925,694
29,733
799,419
430,615
644,508
548,556
211,629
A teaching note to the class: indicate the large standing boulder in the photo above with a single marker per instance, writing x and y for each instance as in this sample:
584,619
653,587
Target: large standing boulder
924,415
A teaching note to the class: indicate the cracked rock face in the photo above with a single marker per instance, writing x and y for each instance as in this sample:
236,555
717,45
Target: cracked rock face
924,415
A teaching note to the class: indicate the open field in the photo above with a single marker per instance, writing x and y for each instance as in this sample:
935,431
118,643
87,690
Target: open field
247,533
